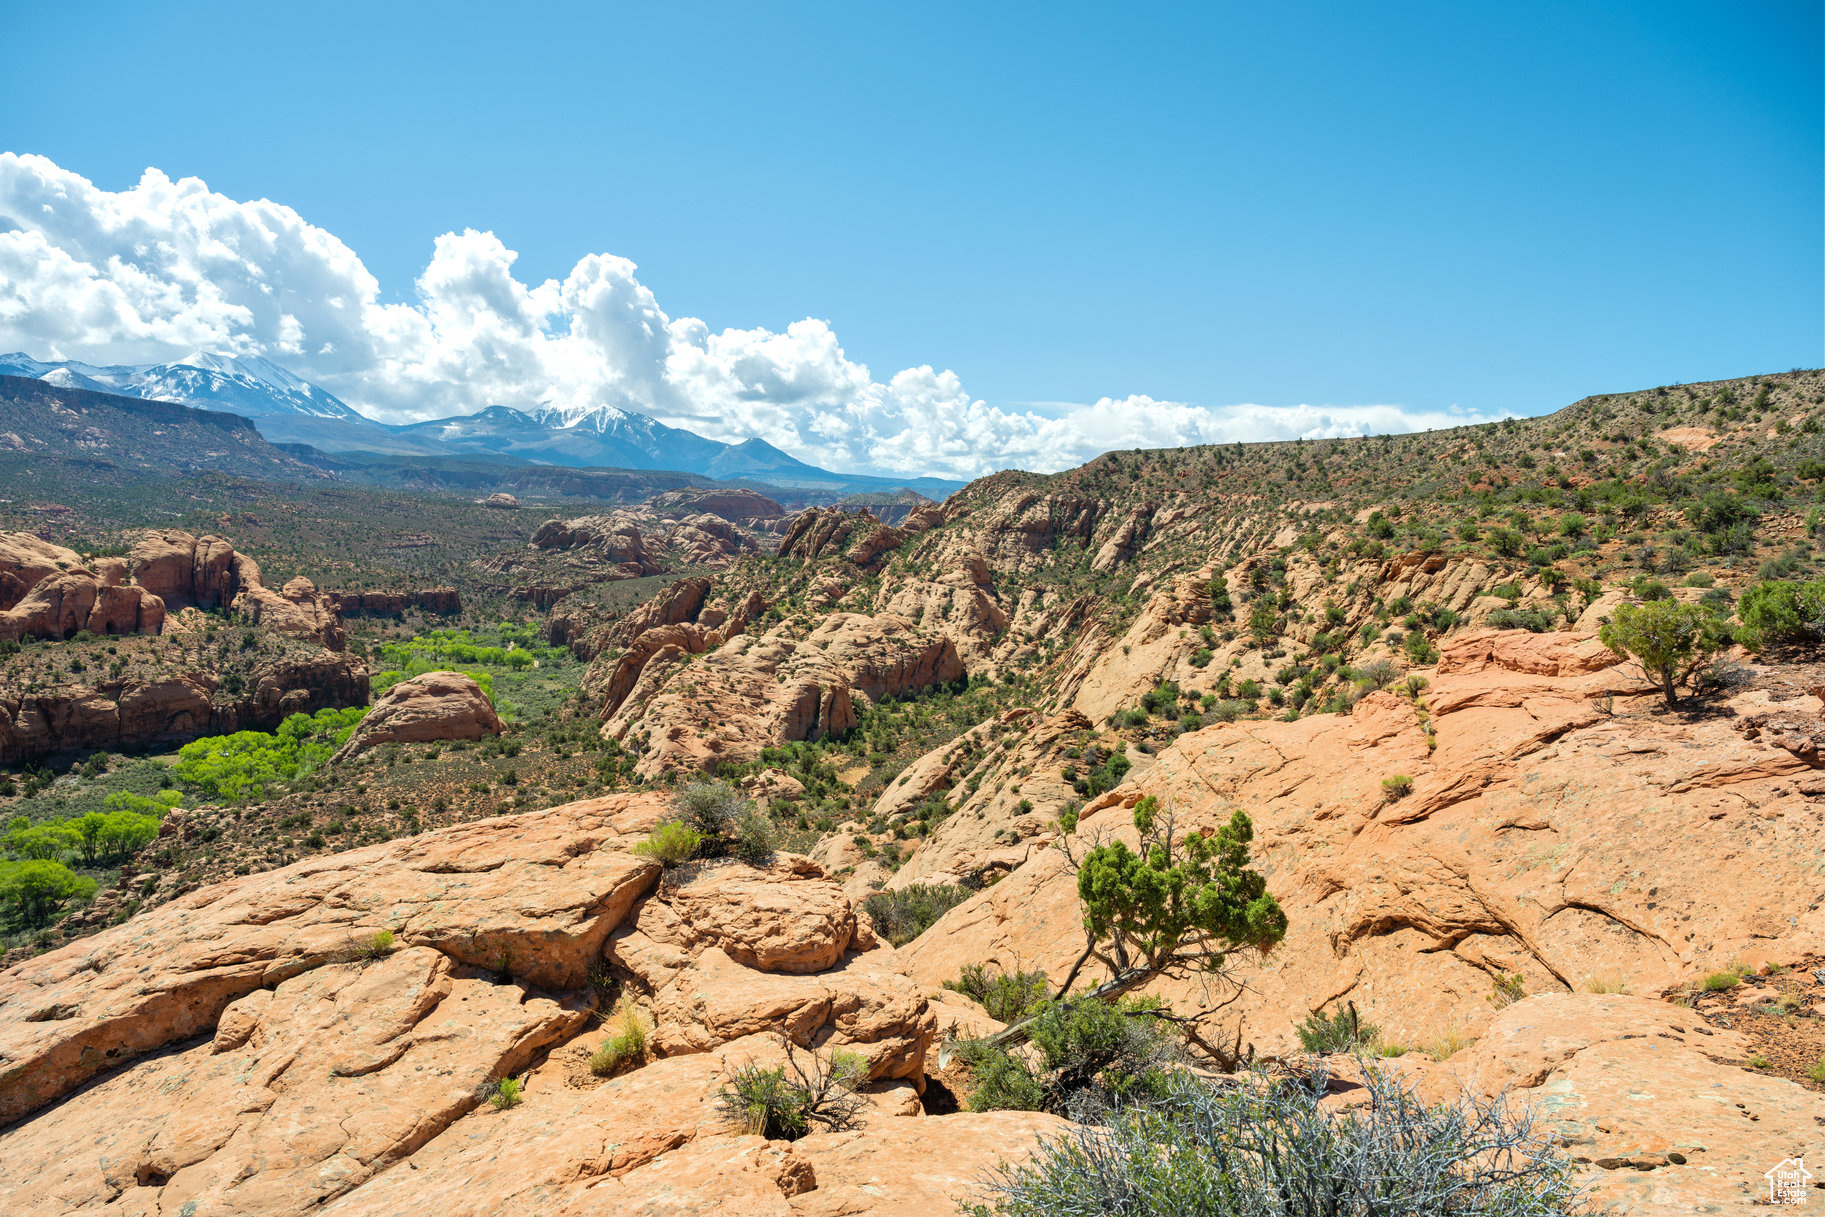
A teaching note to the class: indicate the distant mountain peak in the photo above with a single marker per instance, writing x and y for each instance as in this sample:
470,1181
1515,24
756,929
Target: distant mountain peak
288,408
249,385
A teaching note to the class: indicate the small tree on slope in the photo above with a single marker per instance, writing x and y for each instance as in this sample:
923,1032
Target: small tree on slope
1670,640
1179,904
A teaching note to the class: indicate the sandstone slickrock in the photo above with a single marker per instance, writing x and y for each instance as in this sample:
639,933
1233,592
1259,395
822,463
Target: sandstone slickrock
1543,836
433,706
736,951
1623,1082
537,893
244,1055
986,775
343,1070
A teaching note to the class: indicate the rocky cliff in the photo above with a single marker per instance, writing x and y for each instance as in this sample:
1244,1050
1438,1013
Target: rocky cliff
168,703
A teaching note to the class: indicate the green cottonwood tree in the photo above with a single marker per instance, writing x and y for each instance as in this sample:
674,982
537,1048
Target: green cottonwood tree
34,890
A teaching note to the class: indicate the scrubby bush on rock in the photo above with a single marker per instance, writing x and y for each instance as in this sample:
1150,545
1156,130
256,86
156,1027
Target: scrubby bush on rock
1091,1054
1006,996
625,1044
711,820
1264,1146
788,1101
901,916
1340,1031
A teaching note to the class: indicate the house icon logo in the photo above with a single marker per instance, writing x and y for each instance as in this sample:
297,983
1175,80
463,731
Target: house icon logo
1787,1181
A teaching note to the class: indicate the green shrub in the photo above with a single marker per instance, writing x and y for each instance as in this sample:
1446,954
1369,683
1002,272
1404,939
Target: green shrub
1670,640
670,843
1505,991
1397,787
785,1102
377,945
727,822
754,839
1271,1147
1340,1031
1504,542
1537,621
1007,996
506,1093
901,916
1785,611
1001,1081
1420,650
1091,1054
1717,982
626,1043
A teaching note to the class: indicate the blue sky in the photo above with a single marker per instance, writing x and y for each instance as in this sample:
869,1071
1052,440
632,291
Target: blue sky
1489,207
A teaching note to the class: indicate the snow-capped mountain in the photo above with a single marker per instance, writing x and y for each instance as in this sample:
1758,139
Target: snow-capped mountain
603,436
289,409
246,384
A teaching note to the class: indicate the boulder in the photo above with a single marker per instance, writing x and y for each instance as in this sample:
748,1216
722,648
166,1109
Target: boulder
434,706
735,950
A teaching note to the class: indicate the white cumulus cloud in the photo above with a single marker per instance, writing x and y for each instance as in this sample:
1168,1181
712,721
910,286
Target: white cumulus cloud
166,267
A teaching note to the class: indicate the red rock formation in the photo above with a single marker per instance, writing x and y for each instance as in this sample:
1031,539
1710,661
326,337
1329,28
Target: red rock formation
679,602
736,506
25,560
184,571
434,706
444,601
614,539
132,713
750,693
296,610
73,600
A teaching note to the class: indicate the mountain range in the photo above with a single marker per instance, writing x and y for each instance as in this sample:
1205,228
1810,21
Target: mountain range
290,410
